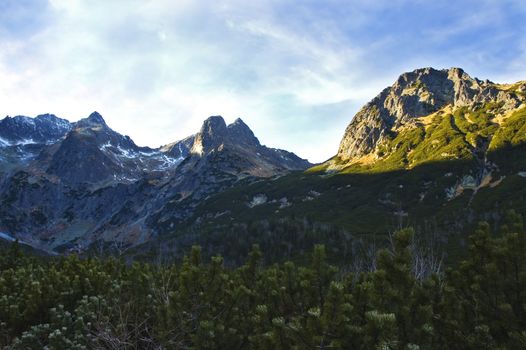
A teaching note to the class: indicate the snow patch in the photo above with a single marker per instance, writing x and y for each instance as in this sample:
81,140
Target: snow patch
62,124
7,143
7,237
180,150
120,151
10,238
4,142
25,142
161,161
127,153
168,162
105,146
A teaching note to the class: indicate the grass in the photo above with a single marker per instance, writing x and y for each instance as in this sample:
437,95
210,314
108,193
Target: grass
405,187
463,134
366,205
512,132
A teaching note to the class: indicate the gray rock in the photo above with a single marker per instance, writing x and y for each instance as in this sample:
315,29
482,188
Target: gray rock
415,94
82,182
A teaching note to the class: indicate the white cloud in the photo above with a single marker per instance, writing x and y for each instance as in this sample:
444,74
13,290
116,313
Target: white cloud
294,71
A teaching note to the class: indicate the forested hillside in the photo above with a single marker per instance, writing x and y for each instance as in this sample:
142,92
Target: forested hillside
437,150
398,301
262,175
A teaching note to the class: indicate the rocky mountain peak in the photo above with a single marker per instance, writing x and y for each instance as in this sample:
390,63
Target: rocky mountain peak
48,117
214,126
212,134
426,90
416,94
457,73
45,128
241,133
90,179
93,120
215,133
238,123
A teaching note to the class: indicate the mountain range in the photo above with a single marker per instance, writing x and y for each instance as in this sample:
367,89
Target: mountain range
437,150
66,185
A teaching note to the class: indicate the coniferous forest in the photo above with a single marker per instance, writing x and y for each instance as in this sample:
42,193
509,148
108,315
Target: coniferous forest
105,303
262,175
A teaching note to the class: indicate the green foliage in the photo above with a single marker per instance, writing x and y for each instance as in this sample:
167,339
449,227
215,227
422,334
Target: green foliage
412,183
69,303
418,168
449,136
465,134
399,149
512,132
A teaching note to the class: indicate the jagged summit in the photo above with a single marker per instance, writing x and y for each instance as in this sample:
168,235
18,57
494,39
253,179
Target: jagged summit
416,94
214,124
215,133
242,133
44,128
212,134
47,116
239,123
93,120
127,192
96,117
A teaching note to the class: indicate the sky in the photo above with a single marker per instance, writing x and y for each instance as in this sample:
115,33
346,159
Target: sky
295,71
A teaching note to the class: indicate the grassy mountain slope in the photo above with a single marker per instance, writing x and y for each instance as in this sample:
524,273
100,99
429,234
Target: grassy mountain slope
440,174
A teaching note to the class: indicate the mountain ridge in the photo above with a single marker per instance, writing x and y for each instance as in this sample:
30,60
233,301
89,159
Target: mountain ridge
418,94
445,153
436,146
91,183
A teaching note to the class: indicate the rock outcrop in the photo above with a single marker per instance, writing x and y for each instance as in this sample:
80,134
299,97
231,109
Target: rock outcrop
68,183
416,94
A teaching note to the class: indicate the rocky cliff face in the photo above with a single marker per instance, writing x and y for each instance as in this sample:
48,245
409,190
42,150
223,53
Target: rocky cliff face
45,128
417,94
221,156
438,150
23,138
237,139
65,184
213,133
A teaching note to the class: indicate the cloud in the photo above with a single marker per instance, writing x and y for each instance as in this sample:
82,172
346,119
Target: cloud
295,71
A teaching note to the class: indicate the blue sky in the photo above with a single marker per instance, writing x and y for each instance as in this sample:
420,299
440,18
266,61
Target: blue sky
295,71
